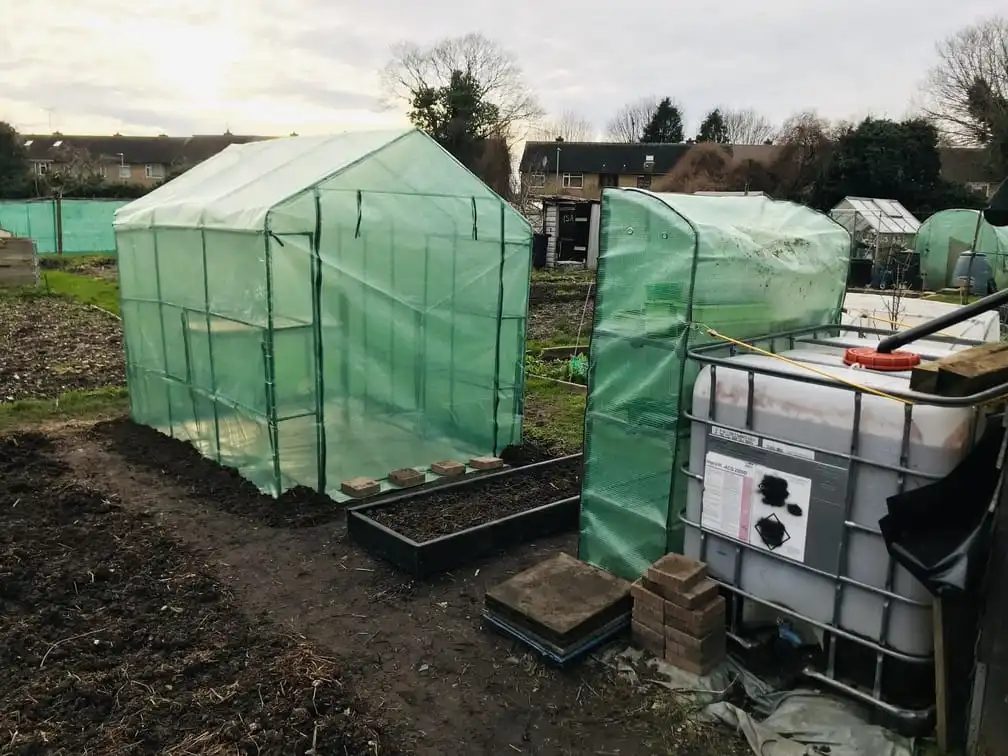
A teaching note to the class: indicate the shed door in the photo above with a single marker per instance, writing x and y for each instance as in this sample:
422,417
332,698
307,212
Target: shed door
575,224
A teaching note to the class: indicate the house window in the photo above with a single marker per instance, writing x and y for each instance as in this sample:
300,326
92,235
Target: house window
982,188
125,172
643,182
537,179
102,171
608,179
573,180
41,168
155,171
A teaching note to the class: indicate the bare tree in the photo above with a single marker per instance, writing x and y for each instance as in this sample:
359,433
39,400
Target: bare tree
570,126
414,69
967,89
630,120
746,126
803,144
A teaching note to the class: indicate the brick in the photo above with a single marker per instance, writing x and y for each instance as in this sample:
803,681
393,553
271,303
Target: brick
647,600
448,468
696,622
645,615
696,668
407,477
648,639
486,463
699,595
360,488
676,574
711,645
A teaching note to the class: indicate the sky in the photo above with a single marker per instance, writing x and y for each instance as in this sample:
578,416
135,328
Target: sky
312,66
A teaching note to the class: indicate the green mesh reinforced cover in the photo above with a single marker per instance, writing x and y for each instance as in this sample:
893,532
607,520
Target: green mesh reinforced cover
671,267
314,309
86,224
943,237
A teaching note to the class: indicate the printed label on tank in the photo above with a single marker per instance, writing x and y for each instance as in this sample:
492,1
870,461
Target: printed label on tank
758,505
733,435
791,451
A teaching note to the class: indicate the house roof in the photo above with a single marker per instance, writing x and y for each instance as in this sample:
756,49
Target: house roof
600,157
883,216
134,150
965,165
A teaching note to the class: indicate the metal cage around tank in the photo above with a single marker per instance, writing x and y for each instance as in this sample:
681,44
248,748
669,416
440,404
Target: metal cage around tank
720,355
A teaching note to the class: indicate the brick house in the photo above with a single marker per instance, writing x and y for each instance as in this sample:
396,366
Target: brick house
127,159
583,169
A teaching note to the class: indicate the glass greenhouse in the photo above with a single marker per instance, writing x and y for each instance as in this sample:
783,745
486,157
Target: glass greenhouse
313,309
672,267
944,236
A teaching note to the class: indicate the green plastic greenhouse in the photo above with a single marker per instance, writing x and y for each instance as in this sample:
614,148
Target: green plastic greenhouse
671,268
313,309
944,236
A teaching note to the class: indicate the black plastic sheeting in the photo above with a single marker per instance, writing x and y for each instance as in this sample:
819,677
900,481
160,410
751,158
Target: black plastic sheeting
941,533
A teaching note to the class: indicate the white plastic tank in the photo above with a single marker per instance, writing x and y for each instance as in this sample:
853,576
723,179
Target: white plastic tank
879,311
788,517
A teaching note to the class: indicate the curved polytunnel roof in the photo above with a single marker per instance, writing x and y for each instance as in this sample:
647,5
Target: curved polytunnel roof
237,188
755,216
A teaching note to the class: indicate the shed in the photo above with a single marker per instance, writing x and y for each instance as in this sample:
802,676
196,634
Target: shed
943,237
313,309
572,228
876,224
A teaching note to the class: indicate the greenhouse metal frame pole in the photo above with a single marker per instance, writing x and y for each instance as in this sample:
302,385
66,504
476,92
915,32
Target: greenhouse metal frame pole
164,343
268,355
500,310
316,276
210,350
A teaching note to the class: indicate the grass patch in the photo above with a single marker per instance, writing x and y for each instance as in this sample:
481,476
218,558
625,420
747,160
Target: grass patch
955,299
73,405
554,416
85,289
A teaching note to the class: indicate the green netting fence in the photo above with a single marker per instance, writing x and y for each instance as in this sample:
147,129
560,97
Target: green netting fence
86,225
671,267
943,237
314,309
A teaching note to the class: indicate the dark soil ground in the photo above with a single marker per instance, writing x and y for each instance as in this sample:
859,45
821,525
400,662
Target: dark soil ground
559,306
139,576
450,510
50,345
116,639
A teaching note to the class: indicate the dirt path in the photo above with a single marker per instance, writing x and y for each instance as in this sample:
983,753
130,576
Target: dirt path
415,653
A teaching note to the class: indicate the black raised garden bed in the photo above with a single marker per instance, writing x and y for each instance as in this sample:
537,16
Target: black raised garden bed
439,529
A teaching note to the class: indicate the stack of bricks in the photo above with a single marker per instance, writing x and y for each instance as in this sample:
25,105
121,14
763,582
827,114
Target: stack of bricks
679,615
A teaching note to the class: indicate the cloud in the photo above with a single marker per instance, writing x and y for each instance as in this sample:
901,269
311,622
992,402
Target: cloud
183,66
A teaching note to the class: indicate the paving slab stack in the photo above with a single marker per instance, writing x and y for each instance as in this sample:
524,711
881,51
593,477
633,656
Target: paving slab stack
679,614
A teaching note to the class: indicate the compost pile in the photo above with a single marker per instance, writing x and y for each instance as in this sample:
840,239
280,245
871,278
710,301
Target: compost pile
49,346
446,511
113,639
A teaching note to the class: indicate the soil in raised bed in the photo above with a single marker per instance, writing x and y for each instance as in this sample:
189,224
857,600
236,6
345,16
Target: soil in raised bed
448,511
115,639
182,464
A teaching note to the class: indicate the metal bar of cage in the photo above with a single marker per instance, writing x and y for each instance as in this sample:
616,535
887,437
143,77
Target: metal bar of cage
709,355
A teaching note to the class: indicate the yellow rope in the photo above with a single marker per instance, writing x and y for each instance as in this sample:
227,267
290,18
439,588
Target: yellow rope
806,366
